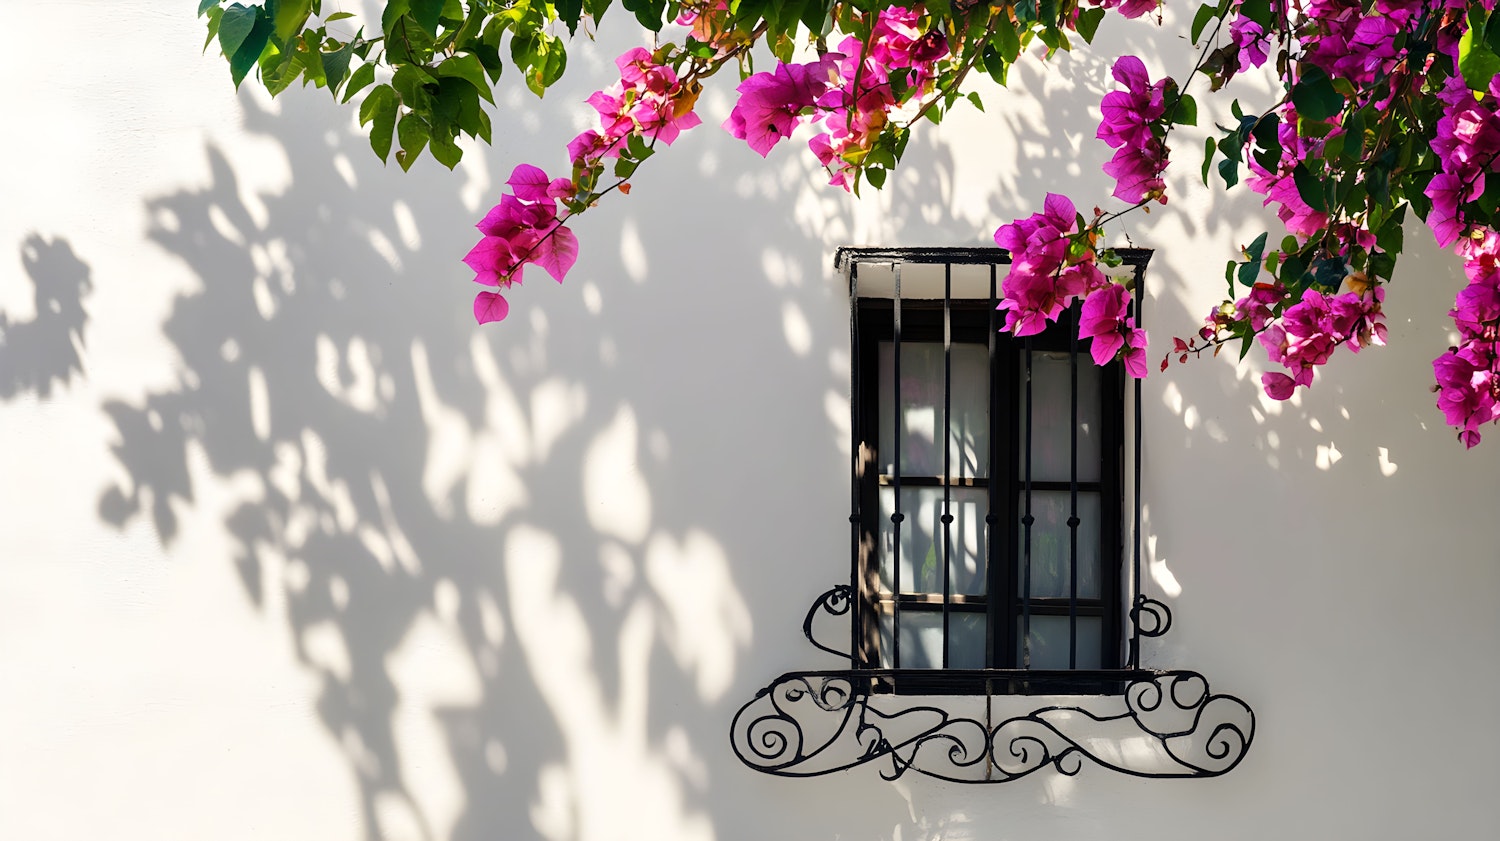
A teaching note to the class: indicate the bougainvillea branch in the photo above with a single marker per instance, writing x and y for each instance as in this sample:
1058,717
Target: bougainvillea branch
1383,109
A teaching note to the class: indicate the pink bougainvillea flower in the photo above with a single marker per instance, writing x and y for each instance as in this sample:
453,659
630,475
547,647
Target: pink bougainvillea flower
771,104
1128,115
1103,315
1278,386
1129,8
1134,355
1044,275
490,306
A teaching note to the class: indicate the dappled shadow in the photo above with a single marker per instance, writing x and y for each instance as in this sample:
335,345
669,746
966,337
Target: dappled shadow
45,350
518,560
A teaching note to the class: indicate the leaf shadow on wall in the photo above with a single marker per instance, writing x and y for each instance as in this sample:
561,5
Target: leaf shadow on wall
479,538
46,350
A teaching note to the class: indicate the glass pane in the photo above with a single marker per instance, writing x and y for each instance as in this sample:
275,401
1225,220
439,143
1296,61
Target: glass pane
1049,641
1051,544
922,639
922,540
1050,381
922,410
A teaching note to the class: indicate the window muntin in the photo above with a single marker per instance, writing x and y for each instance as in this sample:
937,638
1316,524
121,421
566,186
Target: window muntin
947,360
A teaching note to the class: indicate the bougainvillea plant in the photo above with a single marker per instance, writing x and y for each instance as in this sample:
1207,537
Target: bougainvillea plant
1384,107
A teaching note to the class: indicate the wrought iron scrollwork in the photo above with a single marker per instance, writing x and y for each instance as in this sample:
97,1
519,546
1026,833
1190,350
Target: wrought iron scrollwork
1167,724
835,602
1150,617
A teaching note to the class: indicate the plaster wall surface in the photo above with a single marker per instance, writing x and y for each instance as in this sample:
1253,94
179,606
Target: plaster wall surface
293,550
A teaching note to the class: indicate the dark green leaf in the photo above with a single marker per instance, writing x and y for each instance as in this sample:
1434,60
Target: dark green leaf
1229,170
1314,94
1208,157
336,66
1382,264
426,13
1088,23
234,27
570,12
250,48
1329,272
876,177
1206,13
1187,111
1257,249
648,12
1310,188
1248,272
1354,139
625,167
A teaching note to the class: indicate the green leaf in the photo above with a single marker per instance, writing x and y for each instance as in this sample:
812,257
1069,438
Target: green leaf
570,12
1007,40
1088,23
1230,171
648,12
1206,13
1187,111
1257,249
1354,139
412,134
468,68
876,177
1314,95
215,14
1310,188
973,98
1208,157
625,167
234,27
394,11
205,5
379,110
336,66
290,16
1248,272
338,16
445,151
426,13
363,76
250,48
1476,59
1329,272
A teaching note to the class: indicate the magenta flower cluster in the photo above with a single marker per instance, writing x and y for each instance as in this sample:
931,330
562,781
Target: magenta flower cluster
846,94
525,227
1129,117
1053,263
1310,330
1468,374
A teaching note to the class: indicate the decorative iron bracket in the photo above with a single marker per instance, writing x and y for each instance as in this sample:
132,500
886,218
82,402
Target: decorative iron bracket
1164,724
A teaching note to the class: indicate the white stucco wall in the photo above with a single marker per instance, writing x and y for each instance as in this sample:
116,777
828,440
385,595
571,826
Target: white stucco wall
292,550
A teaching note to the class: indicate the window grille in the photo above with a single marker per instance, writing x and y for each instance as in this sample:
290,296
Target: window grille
932,311
987,505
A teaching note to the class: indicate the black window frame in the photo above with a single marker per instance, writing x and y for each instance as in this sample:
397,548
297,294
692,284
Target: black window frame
953,321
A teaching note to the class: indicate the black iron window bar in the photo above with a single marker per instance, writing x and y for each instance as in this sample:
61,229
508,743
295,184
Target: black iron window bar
817,722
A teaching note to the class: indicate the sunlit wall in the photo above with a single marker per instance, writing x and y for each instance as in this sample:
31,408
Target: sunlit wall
293,550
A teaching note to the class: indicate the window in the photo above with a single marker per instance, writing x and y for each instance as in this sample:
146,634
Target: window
987,502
